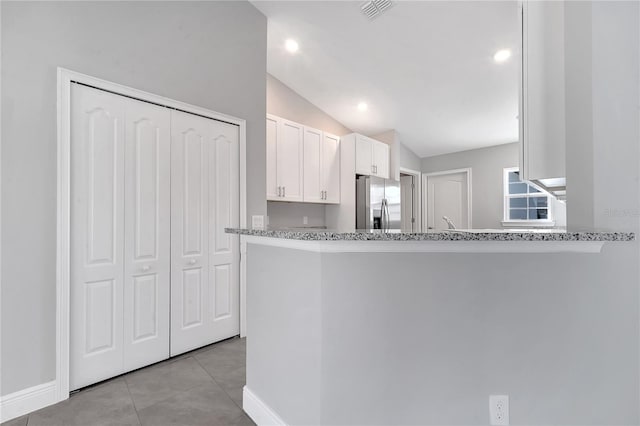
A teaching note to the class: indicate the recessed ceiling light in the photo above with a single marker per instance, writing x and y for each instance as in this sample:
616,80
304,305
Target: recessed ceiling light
502,55
291,45
362,106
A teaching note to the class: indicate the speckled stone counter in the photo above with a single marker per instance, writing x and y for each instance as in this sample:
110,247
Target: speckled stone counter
456,235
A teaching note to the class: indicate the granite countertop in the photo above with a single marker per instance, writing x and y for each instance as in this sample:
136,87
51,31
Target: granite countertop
310,234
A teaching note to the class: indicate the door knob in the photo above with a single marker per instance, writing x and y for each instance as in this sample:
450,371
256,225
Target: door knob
145,268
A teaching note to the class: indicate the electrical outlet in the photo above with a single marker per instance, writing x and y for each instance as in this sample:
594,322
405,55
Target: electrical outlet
499,410
257,222
305,220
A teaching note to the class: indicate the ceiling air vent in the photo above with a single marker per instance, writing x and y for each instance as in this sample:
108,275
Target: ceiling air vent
372,9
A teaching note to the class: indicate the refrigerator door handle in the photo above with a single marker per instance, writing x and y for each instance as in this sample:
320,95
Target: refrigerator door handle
386,206
384,212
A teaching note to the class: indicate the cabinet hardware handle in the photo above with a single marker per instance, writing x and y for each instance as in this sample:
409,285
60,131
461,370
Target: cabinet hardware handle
192,262
145,268
284,191
373,168
325,195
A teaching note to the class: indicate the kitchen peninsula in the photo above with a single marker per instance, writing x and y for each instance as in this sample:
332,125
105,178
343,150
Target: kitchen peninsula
366,327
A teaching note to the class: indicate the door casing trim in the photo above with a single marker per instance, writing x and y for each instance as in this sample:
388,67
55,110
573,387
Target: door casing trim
425,176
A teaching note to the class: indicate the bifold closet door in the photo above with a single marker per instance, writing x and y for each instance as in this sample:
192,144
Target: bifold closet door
147,266
120,228
204,259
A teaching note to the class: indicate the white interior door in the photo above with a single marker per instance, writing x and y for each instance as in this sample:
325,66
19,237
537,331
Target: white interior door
447,195
147,234
153,273
204,260
330,161
97,235
312,152
223,310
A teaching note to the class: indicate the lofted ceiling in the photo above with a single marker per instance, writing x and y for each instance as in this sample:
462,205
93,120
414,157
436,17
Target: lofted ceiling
424,68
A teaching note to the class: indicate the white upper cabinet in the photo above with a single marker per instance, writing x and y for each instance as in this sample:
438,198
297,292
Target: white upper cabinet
364,156
372,157
542,99
284,159
381,159
289,160
272,157
312,165
303,163
330,161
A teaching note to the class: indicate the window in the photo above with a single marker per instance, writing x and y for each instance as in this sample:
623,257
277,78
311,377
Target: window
523,202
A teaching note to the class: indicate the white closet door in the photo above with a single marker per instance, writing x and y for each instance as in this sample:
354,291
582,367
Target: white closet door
97,234
189,213
223,310
147,234
204,260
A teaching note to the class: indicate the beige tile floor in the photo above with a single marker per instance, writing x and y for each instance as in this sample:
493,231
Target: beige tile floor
203,387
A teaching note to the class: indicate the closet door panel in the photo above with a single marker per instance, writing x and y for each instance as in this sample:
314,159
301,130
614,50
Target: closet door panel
147,236
97,219
224,202
190,137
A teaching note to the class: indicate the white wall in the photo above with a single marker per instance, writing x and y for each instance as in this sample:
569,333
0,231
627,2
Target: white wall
284,102
408,159
425,338
487,166
210,54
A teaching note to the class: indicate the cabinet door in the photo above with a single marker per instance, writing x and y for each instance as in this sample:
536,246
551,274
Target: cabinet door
381,159
331,168
289,160
147,234
364,156
313,185
97,235
272,158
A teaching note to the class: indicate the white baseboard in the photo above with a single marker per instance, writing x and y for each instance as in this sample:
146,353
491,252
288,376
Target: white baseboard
259,412
27,400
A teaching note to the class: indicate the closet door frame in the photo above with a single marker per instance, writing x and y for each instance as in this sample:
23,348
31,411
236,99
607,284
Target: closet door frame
63,256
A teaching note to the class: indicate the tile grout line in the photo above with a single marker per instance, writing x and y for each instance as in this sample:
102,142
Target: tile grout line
177,391
133,402
221,387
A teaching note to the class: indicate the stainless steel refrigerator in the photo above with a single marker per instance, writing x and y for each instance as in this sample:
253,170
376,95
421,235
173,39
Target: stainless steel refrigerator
377,203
